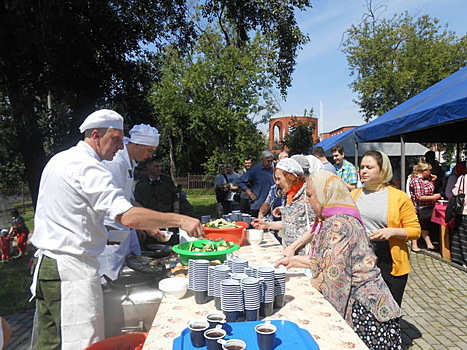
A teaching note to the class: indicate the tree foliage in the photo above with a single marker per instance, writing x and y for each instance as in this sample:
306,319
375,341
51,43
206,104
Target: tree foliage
207,100
300,137
94,54
397,58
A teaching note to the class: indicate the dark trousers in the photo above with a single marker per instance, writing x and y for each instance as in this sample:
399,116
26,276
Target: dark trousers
48,296
244,205
396,284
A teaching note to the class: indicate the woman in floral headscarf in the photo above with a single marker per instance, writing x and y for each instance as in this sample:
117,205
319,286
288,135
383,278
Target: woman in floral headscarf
344,266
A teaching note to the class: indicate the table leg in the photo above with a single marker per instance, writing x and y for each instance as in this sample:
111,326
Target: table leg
444,240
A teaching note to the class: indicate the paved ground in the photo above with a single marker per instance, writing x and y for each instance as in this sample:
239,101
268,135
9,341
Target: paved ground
434,307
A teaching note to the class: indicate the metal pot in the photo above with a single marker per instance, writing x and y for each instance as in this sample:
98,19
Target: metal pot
131,303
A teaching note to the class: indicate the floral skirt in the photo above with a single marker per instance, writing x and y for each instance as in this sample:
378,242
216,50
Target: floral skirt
376,335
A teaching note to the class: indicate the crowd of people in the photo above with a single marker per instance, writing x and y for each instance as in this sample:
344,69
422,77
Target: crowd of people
349,228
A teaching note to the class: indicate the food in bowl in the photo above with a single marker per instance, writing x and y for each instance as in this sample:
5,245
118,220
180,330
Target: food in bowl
221,223
174,287
211,247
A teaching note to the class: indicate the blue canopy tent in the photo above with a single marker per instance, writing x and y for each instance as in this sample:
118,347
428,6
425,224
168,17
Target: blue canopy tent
347,140
437,114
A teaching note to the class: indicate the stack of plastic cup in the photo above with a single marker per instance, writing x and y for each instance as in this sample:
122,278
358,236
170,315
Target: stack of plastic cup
231,299
221,272
211,281
279,288
199,279
251,288
238,276
239,265
267,292
251,271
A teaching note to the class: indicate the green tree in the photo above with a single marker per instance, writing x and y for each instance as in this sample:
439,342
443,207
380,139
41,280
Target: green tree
207,100
89,55
300,137
395,59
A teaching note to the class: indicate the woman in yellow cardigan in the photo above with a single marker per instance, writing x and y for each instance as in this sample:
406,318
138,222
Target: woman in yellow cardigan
390,220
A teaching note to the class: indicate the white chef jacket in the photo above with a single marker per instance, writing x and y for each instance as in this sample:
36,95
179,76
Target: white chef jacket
76,192
112,259
122,169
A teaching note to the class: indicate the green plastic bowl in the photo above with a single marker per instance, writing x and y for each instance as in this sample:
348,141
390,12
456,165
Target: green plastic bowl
183,250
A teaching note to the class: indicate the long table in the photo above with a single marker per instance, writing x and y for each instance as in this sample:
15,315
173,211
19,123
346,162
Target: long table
304,305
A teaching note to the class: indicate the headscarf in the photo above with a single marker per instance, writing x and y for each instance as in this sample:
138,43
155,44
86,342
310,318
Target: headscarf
385,175
291,166
333,196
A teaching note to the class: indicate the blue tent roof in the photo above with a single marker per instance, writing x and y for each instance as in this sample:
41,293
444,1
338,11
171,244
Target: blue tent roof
437,114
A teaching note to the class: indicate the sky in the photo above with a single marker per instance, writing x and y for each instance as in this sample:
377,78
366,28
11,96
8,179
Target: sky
322,76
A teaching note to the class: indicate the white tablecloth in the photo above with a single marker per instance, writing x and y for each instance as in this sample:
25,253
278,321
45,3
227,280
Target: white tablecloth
304,305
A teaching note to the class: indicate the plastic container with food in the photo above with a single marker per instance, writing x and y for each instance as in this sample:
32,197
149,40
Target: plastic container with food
232,231
204,249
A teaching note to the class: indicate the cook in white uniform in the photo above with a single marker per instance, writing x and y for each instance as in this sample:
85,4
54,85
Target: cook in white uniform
141,145
76,192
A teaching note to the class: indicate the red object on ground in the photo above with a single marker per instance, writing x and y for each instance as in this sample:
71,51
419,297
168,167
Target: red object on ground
231,234
130,341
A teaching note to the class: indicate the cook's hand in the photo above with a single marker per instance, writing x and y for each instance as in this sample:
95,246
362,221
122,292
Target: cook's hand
382,234
156,233
259,224
192,226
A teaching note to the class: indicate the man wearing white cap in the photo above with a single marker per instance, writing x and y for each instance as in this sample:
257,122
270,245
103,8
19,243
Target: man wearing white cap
76,192
141,145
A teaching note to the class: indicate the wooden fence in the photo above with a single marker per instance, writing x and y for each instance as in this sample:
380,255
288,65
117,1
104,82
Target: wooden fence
192,181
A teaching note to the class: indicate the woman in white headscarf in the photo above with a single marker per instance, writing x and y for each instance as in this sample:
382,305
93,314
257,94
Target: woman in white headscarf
297,215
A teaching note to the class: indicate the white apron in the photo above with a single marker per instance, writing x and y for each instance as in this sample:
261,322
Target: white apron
82,305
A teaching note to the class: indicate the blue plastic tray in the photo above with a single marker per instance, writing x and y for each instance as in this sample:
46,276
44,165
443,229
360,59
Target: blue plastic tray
288,336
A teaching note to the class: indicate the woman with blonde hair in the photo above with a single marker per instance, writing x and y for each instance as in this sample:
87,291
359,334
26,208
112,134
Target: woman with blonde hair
422,192
390,220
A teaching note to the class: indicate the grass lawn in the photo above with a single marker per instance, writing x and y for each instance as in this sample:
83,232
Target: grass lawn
15,277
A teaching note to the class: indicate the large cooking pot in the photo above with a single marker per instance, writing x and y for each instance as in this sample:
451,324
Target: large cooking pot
131,303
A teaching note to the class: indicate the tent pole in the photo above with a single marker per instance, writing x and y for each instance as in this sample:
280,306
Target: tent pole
356,154
403,178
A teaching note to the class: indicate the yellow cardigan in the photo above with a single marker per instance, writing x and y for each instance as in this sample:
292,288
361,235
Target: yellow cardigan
401,214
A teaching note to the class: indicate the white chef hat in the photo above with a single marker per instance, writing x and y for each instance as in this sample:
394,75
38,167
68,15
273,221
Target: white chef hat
291,166
144,134
102,119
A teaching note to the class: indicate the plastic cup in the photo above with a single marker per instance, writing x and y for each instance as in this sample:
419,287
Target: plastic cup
197,330
212,336
266,335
